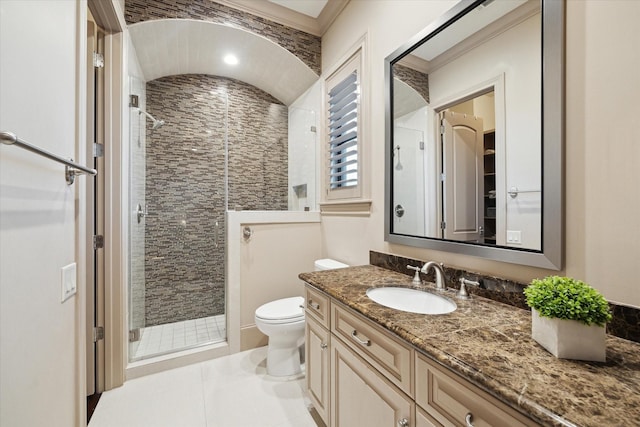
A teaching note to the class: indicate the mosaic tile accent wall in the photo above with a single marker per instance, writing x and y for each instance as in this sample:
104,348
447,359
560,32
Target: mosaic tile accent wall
417,80
185,185
304,45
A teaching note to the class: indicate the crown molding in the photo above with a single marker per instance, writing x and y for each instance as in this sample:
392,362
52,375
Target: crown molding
415,63
282,15
510,20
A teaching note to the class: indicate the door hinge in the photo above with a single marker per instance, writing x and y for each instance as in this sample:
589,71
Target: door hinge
98,60
98,150
422,145
134,335
443,177
441,129
98,242
98,333
443,225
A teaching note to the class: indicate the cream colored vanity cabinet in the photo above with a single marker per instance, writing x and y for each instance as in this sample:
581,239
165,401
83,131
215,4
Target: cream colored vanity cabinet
360,374
361,396
389,355
449,400
317,339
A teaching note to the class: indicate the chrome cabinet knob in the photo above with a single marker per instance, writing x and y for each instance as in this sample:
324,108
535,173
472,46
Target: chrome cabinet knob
403,422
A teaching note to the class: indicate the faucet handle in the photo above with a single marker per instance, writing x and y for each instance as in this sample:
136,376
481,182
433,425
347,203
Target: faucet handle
462,293
416,277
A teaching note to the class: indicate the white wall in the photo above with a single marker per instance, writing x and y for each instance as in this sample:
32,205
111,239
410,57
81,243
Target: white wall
41,339
265,267
602,197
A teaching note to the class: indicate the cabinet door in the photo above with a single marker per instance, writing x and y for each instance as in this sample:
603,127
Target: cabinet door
360,396
423,419
317,366
452,401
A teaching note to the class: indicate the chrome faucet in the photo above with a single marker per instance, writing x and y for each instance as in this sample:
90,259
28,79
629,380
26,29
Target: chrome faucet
441,282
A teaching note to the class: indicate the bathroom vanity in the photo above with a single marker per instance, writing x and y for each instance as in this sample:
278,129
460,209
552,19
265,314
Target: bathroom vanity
372,365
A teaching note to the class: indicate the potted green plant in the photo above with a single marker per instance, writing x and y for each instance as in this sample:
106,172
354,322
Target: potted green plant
568,318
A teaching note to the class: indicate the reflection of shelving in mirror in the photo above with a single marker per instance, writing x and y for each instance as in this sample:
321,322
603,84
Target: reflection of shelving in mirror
490,187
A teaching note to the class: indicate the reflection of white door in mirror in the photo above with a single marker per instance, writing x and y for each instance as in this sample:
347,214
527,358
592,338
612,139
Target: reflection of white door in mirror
463,176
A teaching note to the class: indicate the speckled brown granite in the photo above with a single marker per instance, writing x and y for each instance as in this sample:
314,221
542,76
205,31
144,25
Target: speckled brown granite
625,323
490,344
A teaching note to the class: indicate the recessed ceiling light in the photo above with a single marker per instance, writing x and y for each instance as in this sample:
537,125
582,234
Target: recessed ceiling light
231,59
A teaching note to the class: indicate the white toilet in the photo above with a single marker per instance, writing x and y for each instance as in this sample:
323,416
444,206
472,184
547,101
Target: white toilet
283,322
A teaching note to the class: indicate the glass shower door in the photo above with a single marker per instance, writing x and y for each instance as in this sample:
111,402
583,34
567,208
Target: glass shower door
178,203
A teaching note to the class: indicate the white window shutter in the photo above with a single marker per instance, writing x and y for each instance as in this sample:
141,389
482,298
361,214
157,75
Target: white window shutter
343,112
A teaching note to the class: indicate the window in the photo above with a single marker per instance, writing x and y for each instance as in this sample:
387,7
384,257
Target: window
343,133
343,147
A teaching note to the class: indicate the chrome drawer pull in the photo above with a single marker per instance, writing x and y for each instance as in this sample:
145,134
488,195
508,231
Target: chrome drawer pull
313,305
366,343
323,346
469,420
403,422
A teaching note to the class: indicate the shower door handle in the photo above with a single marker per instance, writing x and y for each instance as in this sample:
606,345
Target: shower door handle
216,235
140,212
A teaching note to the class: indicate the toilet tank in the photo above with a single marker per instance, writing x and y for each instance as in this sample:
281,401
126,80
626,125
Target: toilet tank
328,264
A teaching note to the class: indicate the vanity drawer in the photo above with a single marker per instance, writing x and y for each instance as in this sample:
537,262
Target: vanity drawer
392,357
317,305
450,399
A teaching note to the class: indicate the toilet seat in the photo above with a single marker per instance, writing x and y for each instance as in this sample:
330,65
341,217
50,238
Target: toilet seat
287,310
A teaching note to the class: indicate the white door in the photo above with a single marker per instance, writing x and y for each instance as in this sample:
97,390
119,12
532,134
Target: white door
95,212
408,182
463,183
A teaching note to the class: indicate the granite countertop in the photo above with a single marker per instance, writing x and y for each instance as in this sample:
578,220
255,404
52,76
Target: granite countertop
490,344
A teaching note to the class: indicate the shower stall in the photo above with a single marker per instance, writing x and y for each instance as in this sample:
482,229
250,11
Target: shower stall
200,145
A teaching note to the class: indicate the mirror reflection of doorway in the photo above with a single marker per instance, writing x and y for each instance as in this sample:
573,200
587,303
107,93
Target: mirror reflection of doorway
467,135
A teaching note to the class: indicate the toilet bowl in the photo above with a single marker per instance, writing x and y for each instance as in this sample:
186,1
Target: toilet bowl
283,322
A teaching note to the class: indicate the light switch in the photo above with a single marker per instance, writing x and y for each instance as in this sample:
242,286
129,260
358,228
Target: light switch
514,236
68,281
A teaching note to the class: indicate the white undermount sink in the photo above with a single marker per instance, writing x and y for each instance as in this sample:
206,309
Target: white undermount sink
411,300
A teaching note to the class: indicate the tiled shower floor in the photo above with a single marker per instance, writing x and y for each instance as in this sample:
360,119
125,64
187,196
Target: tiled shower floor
167,338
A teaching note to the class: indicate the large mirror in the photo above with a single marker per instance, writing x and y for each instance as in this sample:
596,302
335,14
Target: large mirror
474,133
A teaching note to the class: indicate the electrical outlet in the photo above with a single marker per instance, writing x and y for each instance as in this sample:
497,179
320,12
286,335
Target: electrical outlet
68,281
514,237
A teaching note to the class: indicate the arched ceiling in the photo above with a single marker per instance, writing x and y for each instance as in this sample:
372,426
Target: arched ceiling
184,46
405,99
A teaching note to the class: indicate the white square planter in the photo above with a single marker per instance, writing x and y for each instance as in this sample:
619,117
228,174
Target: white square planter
569,339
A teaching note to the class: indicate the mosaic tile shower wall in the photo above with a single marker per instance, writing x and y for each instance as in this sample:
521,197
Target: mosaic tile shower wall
185,185
305,46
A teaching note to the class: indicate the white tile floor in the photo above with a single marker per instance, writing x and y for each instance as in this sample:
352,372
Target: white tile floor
167,338
232,391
